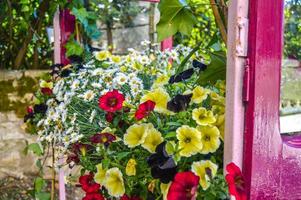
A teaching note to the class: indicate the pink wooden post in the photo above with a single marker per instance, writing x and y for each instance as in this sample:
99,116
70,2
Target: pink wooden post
63,23
271,163
236,61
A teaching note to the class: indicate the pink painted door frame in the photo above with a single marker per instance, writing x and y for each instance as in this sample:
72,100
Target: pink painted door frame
271,163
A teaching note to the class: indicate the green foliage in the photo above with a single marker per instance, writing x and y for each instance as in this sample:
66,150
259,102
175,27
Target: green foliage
88,21
292,34
20,22
216,70
35,148
175,17
73,48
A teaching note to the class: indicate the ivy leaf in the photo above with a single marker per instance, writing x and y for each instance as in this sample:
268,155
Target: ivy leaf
42,196
39,184
81,14
88,20
175,17
35,148
216,70
73,48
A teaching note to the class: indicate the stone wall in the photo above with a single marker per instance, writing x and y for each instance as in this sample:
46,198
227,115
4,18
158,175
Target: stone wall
16,89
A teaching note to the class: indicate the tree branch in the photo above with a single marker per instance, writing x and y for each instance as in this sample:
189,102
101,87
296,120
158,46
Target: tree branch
219,21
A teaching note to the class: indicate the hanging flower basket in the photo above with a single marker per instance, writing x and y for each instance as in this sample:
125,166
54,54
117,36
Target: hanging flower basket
137,127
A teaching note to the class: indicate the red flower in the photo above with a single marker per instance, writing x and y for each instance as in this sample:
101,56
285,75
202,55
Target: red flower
144,109
235,182
29,110
88,184
126,197
73,158
183,187
46,91
110,117
103,138
111,101
93,196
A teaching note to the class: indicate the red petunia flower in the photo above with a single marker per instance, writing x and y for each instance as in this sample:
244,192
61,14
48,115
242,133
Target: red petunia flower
236,183
29,110
184,186
126,197
103,138
111,101
46,91
93,196
73,158
88,184
144,109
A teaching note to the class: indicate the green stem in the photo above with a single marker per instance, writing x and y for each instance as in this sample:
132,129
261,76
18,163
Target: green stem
186,59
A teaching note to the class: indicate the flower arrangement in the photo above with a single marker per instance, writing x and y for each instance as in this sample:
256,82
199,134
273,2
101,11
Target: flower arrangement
137,127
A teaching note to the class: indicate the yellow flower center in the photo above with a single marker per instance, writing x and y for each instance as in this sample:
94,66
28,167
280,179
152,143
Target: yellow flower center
187,140
207,138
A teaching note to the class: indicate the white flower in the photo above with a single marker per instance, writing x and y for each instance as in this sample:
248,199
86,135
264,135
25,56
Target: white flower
97,72
96,85
145,43
75,84
121,79
135,82
93,114
88,95
144,60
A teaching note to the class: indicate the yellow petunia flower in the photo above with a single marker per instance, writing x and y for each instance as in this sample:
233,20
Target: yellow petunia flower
116,59
136,134
152,140
221,85
160,97
161,81
206,170
45,84
99,177
190,141
130,168
218,110
217,99
210,138
164,189
151,186
102,55
114,182
199,94
203,116
221,129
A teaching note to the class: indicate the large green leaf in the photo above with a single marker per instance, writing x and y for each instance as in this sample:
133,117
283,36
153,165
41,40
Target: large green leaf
216,70
175,17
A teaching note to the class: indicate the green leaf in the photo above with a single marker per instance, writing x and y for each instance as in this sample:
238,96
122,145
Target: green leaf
35,148
170,135
92,31
175,17
216,70
43,196
122,155
39,184
81,14
25,8
73,48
